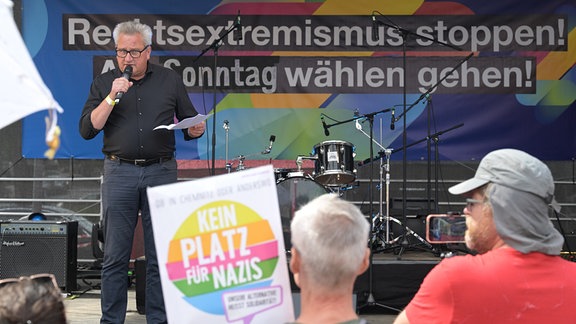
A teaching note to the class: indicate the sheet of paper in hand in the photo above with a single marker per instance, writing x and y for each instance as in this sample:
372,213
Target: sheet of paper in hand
185,123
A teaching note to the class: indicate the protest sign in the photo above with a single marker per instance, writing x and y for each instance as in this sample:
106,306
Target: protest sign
221,250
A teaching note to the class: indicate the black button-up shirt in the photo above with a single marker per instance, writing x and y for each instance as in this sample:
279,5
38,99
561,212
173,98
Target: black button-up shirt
151,101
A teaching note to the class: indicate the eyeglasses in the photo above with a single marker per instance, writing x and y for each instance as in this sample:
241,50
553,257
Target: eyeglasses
471,202
134,53
47,279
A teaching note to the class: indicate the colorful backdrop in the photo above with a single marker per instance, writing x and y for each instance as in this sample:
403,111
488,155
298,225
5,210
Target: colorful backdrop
301,63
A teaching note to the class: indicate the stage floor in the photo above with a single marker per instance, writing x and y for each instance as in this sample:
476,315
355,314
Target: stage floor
393,279
85,309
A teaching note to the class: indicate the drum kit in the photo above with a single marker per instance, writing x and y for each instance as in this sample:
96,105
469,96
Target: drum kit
334,172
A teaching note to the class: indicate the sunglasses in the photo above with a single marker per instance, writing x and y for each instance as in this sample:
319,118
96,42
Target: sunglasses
44,279
470,203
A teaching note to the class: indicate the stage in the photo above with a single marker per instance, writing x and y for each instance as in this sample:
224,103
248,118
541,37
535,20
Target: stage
393,279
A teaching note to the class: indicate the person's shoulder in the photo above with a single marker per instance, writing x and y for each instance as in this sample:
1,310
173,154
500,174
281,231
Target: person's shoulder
469,264
459,261
108,75
493,260
163,72
566,263
155,68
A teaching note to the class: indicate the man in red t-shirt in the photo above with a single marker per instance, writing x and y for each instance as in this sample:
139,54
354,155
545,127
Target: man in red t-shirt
517,275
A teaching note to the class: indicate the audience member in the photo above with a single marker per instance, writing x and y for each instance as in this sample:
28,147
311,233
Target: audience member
329,250
31,300
518,275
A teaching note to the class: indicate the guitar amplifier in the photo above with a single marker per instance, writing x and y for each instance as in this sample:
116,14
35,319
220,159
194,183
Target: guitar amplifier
33,247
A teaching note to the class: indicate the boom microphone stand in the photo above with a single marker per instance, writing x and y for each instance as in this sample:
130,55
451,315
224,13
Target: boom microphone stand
388,242
432,206
371,301
428,138
384,166
214,47
226,127
404,33
370,117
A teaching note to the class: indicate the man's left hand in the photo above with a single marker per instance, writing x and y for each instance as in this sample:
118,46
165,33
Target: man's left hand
197,130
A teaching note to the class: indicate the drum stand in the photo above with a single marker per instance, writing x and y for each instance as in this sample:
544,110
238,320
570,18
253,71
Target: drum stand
384,220
387,241
240,158
379,220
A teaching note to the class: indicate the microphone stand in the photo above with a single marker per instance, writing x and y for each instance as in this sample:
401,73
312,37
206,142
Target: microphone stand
426,94
432,206
404,227
433,137
371,301
417,142
214,47
405,33
384,166
428,164
226,127
367,116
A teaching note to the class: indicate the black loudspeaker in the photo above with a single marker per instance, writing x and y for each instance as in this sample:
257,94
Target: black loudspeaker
414,206
32,247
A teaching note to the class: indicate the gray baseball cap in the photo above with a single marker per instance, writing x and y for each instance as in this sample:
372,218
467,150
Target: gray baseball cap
514,169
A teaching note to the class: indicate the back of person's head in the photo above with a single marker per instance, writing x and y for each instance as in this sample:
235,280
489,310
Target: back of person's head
133,27
520,191
331,238
31,301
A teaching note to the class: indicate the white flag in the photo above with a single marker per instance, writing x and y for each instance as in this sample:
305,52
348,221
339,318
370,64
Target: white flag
22,91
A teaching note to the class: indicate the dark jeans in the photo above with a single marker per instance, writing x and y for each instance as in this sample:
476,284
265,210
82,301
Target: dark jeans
123,198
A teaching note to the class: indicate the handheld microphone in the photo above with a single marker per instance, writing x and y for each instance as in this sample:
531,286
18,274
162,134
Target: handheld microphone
326,131
392,120
269,148
126,75
238,28
375,35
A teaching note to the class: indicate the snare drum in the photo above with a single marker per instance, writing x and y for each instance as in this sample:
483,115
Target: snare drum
335,163
293,193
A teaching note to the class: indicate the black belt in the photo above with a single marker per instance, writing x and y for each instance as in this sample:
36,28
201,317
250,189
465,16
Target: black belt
139,162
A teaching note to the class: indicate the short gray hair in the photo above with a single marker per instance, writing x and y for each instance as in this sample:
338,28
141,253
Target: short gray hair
331,236
133,27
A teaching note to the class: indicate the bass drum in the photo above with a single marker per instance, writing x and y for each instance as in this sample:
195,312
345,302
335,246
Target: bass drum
294,192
